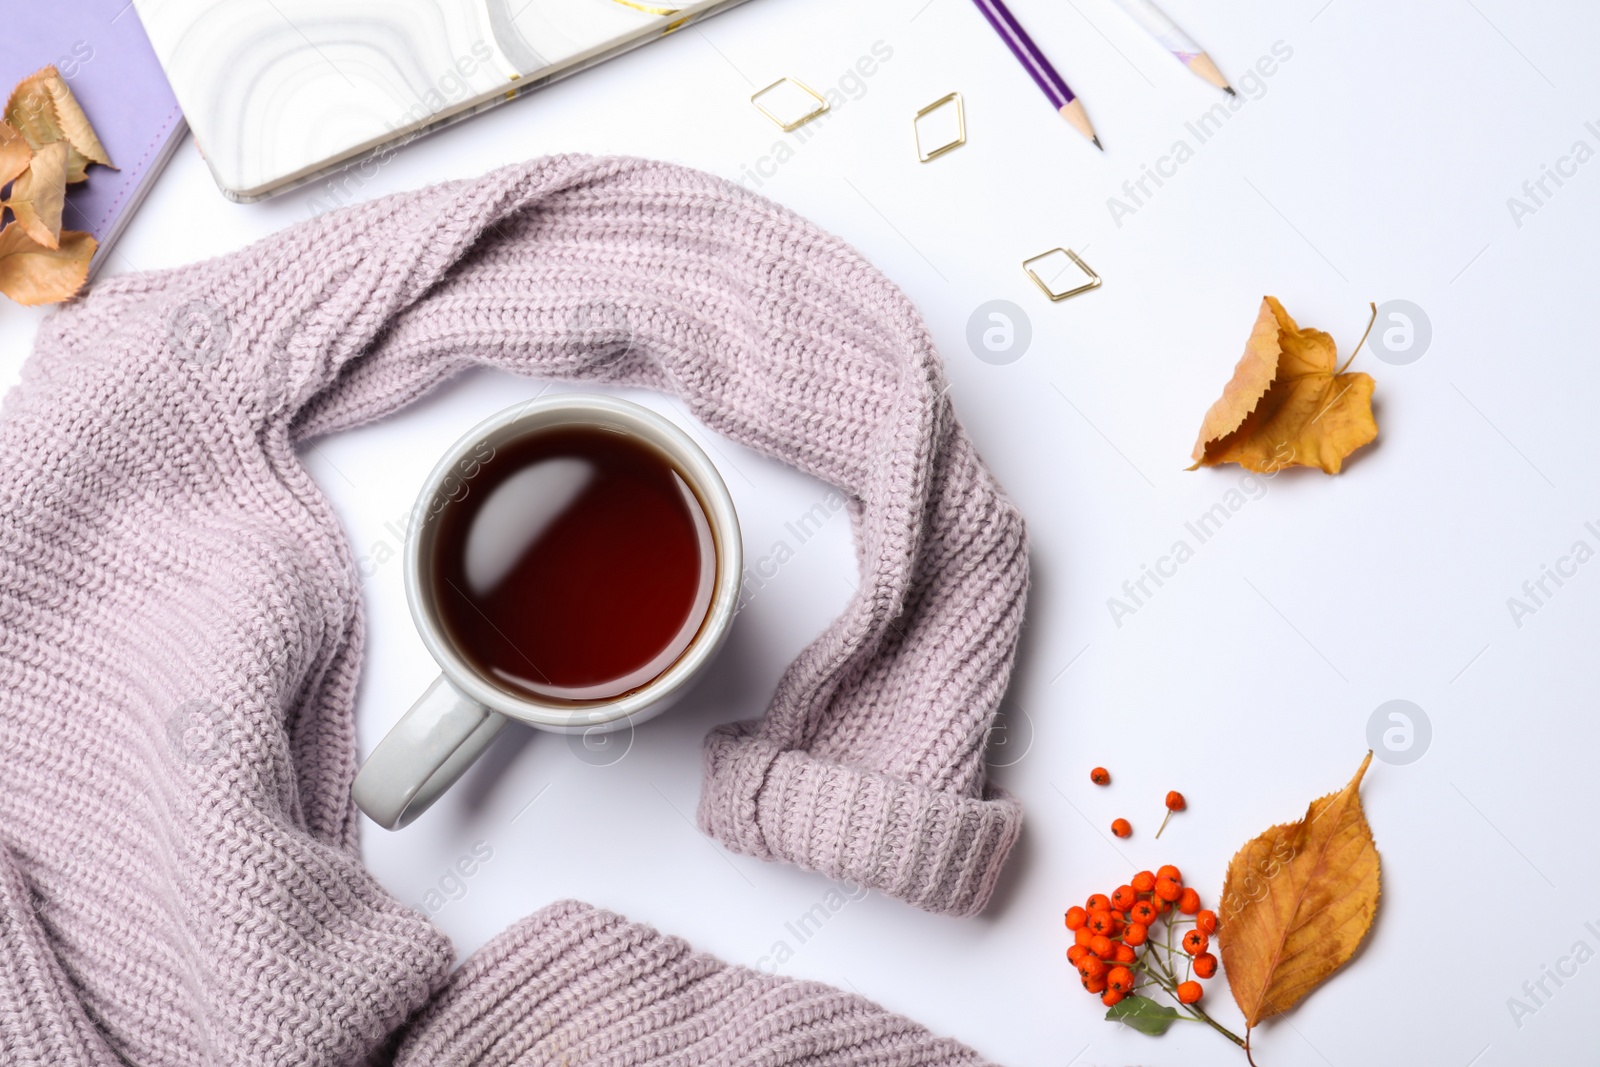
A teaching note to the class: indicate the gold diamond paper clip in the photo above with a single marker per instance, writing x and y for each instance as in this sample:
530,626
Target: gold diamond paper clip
822,105
925,155
1092,283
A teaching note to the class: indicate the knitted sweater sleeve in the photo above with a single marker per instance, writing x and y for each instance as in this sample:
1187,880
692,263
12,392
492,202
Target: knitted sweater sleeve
41,1020
576,985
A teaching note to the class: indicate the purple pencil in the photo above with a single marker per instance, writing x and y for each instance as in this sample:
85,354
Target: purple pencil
1055,87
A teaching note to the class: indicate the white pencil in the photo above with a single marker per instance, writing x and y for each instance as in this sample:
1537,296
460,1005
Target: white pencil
1173,39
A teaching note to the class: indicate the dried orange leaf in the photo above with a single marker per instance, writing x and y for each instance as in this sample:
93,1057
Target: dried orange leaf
44,110
31,274
1297,902
38,196
14,153
32,112
1287,405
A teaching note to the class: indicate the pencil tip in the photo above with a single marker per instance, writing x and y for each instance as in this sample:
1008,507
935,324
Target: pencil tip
1097,143
1229,90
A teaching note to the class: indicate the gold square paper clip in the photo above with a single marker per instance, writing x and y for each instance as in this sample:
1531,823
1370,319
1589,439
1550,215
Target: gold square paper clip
961,128
822,105
1092,283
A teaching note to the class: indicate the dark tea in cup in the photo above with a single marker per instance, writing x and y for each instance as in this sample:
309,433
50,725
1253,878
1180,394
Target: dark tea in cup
577,566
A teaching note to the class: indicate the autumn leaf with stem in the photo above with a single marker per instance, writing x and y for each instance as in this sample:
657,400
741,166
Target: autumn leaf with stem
44,111
32,274
1286,404
1297,903
15,153
39,194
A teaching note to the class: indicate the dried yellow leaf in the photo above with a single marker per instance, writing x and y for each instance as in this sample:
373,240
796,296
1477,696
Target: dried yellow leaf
1297,902
44,110
38,196
31,274
1287,405
14,153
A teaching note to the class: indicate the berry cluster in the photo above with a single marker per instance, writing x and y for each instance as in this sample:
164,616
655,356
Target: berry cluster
1116,952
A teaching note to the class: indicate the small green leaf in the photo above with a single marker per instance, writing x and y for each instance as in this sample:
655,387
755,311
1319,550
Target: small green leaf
1143,1014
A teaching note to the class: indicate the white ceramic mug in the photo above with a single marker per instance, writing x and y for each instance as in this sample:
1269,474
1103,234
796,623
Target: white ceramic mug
454,720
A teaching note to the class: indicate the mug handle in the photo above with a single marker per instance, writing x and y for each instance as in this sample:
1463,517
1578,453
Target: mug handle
428,749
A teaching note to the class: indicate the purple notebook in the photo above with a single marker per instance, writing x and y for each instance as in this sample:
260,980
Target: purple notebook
101,51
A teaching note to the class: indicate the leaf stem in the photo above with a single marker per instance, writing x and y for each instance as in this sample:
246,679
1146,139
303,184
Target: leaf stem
1361,342
1168,980
1224,1031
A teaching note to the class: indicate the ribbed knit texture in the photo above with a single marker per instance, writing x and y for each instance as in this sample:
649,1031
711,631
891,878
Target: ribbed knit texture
180,633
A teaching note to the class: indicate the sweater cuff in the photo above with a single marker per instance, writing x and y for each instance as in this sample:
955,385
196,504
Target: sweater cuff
937,850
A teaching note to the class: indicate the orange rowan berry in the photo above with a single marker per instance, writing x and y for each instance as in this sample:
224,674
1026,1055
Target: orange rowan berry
1101,922
1169,871
1175,802
1124,896
1125,953
1189,992
1206,919
1168,890
1098,902
1100,776
1135,934
1096,984
1077,952
1090,966
1188,901
1120,979
1205,965
1195,942
1121,827
1100,945
1143,912
1076,917
1144,882
1082,935
1111,998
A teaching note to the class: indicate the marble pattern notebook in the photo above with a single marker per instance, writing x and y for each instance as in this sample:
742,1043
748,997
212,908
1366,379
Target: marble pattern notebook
282,92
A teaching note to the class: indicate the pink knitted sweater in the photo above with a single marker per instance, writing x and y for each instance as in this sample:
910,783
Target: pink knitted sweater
180,633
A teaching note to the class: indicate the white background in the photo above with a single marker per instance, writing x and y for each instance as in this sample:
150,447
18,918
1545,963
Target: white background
1375,164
